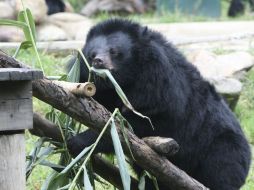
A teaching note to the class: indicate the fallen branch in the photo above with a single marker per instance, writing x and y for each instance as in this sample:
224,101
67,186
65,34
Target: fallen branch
87,111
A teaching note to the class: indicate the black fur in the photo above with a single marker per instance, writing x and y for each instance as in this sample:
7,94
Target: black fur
237,7
162,84
55,6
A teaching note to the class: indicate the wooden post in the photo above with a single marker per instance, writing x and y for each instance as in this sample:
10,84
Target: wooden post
16,115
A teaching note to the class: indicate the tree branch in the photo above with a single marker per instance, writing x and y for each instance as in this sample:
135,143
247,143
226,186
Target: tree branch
45,128
95,116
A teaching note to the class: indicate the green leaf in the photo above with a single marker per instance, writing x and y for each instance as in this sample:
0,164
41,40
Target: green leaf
15,23
105,73
123,130
22,18
125,176
29,33
24,45
31,23
87,183
54,181
74,161
55,167
45,151
74,74
142,182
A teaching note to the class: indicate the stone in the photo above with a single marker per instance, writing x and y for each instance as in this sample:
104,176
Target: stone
230,64
6,11
49,32
227,65
205,61
11,34
38,8
93,7
67,17
227,86
223,71
75,25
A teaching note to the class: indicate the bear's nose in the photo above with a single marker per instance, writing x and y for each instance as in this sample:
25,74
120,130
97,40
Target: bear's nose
97,63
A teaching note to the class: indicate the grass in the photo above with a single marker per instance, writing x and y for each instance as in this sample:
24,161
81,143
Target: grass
245,113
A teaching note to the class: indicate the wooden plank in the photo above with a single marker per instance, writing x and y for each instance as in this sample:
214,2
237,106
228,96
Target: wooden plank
16,74
12,165
16,114
15,90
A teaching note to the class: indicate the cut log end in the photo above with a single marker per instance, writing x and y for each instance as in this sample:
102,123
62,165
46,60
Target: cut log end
163,146
86,89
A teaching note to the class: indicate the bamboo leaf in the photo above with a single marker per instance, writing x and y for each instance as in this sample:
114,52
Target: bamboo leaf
87,182
23,45
105,73
74,161
142,182
15,23
55,167
22,18
74,74
91,151
31,23
54,181
125,176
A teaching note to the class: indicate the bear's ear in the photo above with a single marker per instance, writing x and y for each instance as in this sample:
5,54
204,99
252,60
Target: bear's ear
144,30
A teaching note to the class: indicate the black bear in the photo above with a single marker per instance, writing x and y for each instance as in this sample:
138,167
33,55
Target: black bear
161,84
237,7
55,6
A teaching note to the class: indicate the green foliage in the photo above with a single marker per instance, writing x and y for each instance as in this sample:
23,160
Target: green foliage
125,176
26,22
245,106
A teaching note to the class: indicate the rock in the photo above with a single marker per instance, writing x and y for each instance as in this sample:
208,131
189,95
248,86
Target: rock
223,71
49,32
67,17
205,61
38,8
6,11
75,25
230,64
229,88
125,6
11,34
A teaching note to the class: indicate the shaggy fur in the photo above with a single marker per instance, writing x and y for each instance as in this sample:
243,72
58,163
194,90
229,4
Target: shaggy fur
55,6
160,83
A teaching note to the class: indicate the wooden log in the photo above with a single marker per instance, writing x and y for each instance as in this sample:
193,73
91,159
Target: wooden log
164,146
87,89
89,112
15,116
44,128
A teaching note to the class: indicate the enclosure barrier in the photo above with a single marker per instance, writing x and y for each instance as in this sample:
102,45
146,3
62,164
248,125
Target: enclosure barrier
16,115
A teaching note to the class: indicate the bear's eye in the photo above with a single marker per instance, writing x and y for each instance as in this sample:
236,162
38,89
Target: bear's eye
113,51
92,55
